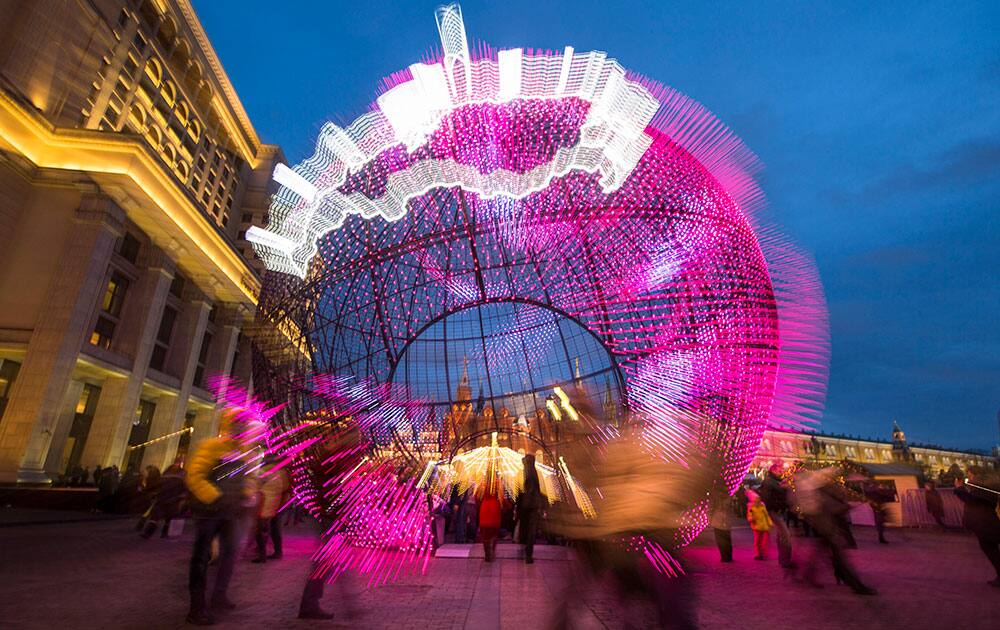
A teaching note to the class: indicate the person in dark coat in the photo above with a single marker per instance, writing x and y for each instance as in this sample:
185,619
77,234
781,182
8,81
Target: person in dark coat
774,492
935,504
529,505
107,488
877,496
721,522
824,504
168,501
459,518
981,518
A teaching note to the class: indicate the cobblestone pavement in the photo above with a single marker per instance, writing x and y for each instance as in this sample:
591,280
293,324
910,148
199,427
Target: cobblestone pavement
102,575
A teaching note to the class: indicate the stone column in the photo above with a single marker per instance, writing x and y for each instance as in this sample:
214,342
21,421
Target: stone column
116,408
53,460
182,360
220,362
206,425
62,326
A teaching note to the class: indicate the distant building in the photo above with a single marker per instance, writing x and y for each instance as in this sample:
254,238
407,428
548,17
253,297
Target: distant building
788,447
129,174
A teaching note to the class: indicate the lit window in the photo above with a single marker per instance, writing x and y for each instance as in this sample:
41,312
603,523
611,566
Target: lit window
103,333
114,295
159,357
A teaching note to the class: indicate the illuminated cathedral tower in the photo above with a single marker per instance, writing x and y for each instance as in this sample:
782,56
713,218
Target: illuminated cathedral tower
900,451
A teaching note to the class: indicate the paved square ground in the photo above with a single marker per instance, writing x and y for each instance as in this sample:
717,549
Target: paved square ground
102,575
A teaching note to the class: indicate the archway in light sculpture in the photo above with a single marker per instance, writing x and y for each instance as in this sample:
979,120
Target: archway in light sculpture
561,180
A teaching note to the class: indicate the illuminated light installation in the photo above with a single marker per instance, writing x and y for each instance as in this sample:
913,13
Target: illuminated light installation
561,182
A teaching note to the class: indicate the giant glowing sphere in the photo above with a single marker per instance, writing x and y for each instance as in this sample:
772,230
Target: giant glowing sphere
559,181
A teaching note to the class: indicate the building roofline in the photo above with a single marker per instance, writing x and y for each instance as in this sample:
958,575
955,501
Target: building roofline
233,101
852,438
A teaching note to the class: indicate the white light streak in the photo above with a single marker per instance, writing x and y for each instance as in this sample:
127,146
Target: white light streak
612,139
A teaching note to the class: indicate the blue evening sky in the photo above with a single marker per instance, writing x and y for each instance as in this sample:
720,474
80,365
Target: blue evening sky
878,125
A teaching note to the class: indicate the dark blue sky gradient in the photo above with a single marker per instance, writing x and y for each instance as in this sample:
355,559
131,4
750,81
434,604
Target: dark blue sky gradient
878,124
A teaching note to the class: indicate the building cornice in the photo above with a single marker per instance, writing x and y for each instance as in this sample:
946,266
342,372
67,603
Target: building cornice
840,439
124,162
248,134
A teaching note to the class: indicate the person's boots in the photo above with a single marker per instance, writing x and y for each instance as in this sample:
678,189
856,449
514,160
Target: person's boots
199,615
200,618
222,602
315,613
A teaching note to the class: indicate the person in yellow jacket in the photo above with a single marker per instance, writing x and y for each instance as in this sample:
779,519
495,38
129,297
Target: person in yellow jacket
760,523
273,488
220,495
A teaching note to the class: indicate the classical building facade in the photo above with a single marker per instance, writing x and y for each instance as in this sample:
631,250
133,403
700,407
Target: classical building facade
788,447
129,173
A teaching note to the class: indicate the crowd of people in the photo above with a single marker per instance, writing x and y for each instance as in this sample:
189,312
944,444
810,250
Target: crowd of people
484,512
819,502
236,510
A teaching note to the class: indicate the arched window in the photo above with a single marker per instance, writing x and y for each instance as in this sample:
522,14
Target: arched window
155,136
194,129
182,113
154,71
170,153
137,118
169,93
193,78
183,170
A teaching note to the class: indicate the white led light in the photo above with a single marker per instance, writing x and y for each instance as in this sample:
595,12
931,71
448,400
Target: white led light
294,182
510,73
611,142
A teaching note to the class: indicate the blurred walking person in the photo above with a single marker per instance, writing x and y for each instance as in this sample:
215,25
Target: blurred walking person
530,503
168,501
642,501
774,492
219,492
107,489
877,496
149,488
935,504
824,505
761,524
274,485
981,516
721,522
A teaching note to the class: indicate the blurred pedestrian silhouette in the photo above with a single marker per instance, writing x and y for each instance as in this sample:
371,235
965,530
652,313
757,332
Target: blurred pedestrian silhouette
774,492
637,516
219,492
530,503
981,514
877,496
823,501
273,486
935,504
721,521
168,501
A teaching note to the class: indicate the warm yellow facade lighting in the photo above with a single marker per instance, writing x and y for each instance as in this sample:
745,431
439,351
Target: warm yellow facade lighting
117,159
